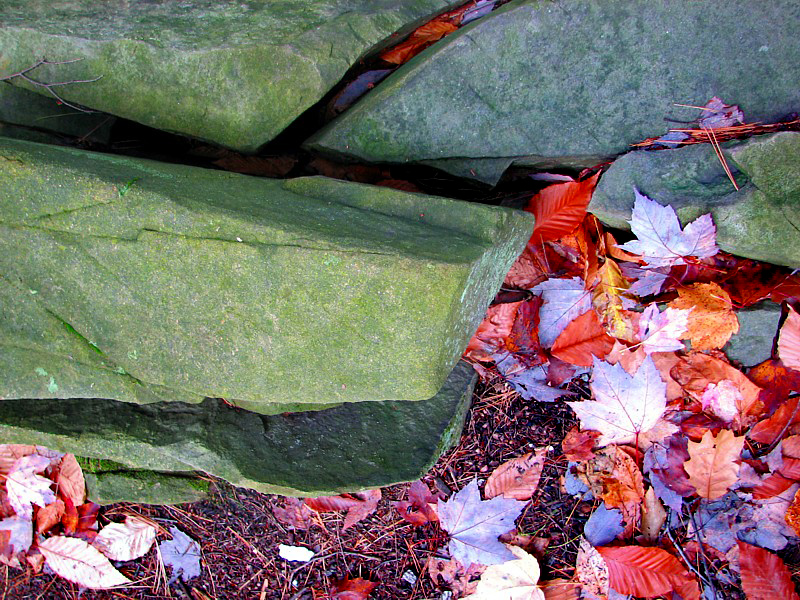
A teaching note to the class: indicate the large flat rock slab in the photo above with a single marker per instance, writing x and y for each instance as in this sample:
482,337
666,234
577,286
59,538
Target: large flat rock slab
573,82
761,220
139,281
343,449
234,73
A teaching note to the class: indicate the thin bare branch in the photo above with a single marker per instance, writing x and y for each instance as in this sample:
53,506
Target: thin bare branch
23,74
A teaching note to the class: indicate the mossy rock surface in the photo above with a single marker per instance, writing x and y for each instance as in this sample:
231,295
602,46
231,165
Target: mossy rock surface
139,281
347,448
573,82
234,73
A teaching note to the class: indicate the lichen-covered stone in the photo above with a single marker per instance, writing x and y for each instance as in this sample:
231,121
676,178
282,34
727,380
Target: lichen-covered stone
235,73
347,448
761,220
133,280
573,81
145,487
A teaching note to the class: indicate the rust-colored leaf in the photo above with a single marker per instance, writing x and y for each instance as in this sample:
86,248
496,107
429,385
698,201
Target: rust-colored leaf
353,589
711,320
493,331
560,208
421,506
784,420
560,589
421,38
294,513
578,444
777,382
643,571
517,478
623,488
69,479
49,516
764,575
713,467
358,505
789,341
582,340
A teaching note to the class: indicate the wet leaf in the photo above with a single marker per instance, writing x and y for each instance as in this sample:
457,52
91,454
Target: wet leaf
764,575
643,571
660,240
713,464
517,478
624,405
475,525
560,208
583,340
80,563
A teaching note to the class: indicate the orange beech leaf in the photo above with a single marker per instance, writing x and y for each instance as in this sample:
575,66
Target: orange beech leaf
777,382
517,478
560,208
789,341
764,575
49,516
772,486
711,320
643,571
577,445
353,589
582,340
785,418
712,466
358,505
493,331
421,38
69,479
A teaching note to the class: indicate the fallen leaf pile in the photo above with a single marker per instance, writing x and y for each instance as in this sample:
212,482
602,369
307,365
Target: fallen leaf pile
673,432
47,520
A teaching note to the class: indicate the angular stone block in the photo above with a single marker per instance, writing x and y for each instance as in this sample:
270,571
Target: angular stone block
347,448
234,73
133,280
573,82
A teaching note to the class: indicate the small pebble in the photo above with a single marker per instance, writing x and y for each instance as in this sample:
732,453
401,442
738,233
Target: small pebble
409,577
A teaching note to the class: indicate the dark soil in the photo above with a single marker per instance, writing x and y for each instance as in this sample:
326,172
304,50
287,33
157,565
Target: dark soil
239,534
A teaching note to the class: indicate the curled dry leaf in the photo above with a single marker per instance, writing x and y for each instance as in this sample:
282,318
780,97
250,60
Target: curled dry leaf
517,478
493,331
713,467
793,514
77,561
126,541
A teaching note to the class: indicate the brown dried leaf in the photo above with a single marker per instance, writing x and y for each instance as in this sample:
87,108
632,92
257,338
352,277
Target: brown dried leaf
421,506
70,480
623,488
793,514
768,430
712,321
453,574
560,589
653,515
517,478
713,467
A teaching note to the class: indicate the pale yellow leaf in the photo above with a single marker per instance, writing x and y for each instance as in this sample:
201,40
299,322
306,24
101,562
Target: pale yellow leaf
80,563
512,580
712,466
126,541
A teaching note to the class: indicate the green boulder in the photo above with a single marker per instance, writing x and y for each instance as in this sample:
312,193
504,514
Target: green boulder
761,220
234,73
343,449
573,83
139,281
